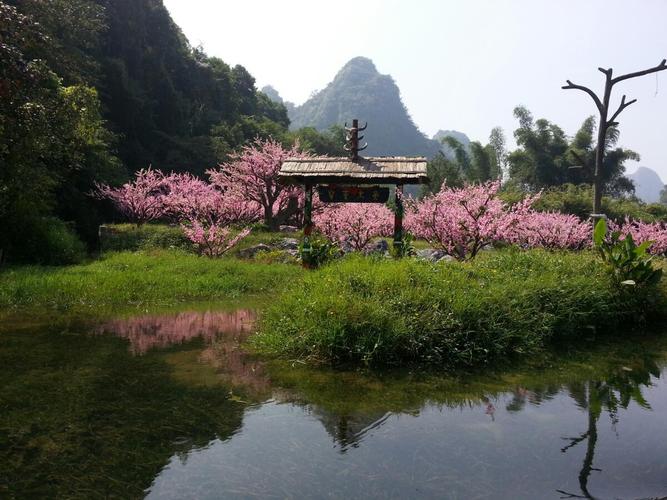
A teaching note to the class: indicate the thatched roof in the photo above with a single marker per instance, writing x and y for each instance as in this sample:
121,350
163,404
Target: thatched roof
380,170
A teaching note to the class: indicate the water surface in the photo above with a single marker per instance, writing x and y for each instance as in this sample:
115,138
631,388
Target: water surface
172,406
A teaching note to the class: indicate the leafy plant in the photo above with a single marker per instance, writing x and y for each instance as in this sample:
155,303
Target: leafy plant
631,264
407,249
321,251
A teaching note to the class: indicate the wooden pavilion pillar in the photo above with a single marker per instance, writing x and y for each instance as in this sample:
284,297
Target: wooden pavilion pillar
307,224
398,220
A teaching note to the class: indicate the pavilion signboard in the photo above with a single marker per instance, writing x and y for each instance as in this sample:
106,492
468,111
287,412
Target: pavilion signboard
353,194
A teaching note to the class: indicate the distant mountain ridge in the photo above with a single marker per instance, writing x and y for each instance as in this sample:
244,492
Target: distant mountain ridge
359,91
648,184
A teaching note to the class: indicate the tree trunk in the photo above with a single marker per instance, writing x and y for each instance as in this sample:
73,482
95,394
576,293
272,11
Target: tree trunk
599,150
269,220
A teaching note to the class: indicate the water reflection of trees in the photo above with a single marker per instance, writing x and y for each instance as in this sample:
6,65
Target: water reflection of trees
613,393
83,419
159,331
223,333
349,406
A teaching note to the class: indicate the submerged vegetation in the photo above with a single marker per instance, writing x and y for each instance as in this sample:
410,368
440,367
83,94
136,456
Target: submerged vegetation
503,304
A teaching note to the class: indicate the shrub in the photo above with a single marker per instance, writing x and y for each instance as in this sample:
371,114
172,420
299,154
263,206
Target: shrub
47,241
550,230
121,237
630,263
462,221
321,251
453,314
653,232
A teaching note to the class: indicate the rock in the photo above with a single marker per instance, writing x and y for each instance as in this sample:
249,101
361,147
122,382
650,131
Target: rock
250,252
288,244
289,229
379,247
345,247
432,255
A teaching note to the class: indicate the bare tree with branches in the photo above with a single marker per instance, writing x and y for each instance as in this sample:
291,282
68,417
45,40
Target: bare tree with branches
606,122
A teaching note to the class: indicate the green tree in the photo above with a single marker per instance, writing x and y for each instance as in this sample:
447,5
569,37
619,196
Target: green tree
581,154
499,145
53,144
539,161
442,170
330,142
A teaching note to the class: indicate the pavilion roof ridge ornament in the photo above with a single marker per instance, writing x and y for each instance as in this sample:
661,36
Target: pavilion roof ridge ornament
352,139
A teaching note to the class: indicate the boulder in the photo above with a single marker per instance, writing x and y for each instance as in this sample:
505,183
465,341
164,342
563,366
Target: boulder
379,247
289,229
250,252
432,255
288,244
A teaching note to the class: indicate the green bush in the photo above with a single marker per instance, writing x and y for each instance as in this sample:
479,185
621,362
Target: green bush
46,241
122,237
388,312
578,200
630,264
320,251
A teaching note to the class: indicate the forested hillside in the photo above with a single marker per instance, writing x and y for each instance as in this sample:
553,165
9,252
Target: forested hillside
94,90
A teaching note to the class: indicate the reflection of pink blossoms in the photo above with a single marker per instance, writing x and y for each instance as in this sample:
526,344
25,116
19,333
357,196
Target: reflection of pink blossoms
159,331
355,223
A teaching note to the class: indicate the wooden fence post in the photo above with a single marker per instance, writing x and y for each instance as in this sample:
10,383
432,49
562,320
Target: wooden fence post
307,225
398,221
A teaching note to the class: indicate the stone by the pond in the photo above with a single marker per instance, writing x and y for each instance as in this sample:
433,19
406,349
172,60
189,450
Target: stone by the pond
250,252
288,244
380,247
288,229
432,255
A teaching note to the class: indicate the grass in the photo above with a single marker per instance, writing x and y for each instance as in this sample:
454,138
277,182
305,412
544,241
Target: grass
156,278
505,303
122,237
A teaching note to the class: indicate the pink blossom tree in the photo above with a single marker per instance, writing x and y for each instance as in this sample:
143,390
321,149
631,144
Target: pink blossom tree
142,199
192,198
641,232
355,223
252,175
552,230
212,239
462,221
206,214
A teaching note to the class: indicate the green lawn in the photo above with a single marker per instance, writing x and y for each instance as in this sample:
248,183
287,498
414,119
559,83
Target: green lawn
123,280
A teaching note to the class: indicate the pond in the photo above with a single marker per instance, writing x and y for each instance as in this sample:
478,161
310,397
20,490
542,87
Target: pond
172,406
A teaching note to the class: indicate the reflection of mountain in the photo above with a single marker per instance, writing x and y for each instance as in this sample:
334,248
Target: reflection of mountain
159,331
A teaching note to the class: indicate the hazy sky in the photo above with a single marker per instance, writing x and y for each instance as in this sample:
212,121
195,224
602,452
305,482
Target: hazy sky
460,65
